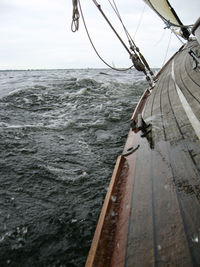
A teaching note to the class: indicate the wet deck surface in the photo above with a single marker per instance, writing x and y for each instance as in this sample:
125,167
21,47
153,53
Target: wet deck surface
157,207
164,224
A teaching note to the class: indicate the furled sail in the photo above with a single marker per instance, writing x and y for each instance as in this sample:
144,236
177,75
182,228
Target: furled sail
165,11
168,15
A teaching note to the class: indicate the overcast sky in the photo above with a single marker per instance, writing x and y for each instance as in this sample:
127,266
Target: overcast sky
37,33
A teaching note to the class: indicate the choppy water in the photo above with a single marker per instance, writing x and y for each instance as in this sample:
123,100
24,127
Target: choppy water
60,134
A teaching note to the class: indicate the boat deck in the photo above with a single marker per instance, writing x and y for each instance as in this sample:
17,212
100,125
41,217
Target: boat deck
151,215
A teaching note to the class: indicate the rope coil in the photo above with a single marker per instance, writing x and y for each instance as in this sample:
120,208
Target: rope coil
75,16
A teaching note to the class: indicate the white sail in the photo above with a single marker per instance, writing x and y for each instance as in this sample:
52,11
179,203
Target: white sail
165,11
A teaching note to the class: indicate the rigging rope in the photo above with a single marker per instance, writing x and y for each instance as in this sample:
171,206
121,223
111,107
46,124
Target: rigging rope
167,49
172,30
160,39
114,6
137,58
140,20
107,64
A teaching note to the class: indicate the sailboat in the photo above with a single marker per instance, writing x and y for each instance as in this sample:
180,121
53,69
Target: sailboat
151,212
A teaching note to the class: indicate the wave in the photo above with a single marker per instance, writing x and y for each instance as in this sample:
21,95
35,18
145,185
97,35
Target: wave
60,134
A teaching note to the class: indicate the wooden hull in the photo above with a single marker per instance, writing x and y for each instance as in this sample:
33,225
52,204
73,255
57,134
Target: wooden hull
151,214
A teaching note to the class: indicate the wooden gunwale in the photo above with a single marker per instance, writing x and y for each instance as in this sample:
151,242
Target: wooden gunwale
140,106
104,211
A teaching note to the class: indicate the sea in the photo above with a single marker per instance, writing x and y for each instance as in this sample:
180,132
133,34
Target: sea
60,134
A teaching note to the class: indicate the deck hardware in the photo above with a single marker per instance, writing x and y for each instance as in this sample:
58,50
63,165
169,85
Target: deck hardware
195,58
146,133
130,150
139,124
142,125
133,125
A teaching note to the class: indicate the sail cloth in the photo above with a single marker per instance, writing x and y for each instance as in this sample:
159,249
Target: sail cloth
169,16
165,11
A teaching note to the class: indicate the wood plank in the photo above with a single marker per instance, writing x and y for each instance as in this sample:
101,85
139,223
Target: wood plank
158,134
169,225
140,245
184,173
123,213
181,116
185,79
188,87
147,113
169,186
183,124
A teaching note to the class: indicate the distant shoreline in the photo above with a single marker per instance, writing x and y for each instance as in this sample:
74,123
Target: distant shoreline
3,70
